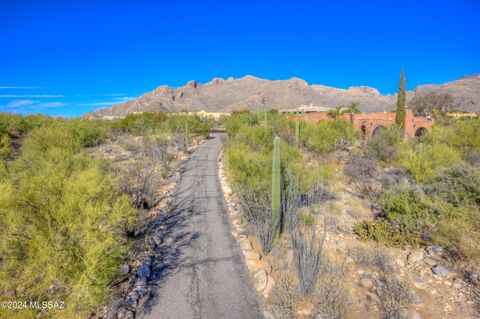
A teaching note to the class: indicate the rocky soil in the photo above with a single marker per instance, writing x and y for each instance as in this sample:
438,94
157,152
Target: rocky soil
132,288
412,283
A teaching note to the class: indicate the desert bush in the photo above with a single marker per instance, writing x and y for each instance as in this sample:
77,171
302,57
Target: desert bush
307,247
141,182
258,212
361,171
5,146
384,232
394,296
423,159
326,136
284,297
384,145
371,257
458,185
459,231
332,293
237,120
64,221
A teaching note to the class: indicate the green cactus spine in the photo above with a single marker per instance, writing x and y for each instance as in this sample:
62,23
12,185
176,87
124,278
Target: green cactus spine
297,128
276,189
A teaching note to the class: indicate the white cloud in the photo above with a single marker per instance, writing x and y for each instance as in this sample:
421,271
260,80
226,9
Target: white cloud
52,104
21,87
20,103
31,95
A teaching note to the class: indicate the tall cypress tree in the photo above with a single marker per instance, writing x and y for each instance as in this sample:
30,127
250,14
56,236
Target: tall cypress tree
401,102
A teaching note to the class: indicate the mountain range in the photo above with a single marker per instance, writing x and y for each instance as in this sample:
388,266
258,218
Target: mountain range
252,93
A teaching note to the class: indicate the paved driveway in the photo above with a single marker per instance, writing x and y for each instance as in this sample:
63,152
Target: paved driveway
201,274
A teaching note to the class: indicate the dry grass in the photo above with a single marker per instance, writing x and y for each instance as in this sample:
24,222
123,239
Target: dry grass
332,293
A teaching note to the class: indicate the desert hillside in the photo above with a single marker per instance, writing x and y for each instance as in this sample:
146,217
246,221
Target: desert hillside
253,93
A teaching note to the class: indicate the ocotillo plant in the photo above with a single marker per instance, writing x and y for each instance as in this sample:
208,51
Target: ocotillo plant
186,136
276,188
297,128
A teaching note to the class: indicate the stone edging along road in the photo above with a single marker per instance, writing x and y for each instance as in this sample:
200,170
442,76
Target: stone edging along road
259,268
203,274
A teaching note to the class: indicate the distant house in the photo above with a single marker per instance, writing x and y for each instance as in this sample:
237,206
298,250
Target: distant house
460,115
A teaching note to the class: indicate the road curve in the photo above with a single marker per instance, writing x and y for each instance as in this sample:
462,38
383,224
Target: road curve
201,274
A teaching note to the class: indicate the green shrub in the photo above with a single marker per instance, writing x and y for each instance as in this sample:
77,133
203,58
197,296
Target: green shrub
411,209
459,231
458,185
385,233
384,145
63,221
326,136
423,159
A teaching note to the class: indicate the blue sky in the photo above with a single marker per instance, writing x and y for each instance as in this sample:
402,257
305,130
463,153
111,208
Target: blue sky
70,57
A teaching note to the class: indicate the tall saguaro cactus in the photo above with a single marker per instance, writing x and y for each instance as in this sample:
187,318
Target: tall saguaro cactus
276,188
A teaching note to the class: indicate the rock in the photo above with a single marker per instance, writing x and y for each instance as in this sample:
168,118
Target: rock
260,280
270,284
414,298
435,250
158,239
417,281
410,314
447,283
430,261
252,258
123,270
443,271
371,297
366,283
268,315
415,257
132,300
144,271
245,244
360,271
400,262
457,283
129,315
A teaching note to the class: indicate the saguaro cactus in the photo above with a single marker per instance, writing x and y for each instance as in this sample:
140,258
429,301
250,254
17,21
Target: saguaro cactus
297,128
276,188
265,118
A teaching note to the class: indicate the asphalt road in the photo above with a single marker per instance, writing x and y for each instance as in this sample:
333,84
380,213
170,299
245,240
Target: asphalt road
202,275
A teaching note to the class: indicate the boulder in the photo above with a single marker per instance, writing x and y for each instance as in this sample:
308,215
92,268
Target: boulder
366,283
260,280
415,257
270,285
443,272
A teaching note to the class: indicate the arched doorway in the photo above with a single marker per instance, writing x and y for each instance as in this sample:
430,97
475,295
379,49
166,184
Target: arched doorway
420,131
378,129
363,129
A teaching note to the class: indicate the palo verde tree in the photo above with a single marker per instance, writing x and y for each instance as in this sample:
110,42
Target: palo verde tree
401,111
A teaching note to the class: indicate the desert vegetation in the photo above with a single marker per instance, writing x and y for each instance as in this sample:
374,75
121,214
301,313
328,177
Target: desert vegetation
417,193
70,196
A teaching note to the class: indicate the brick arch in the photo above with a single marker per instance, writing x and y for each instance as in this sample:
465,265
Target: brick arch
420,131
377,129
